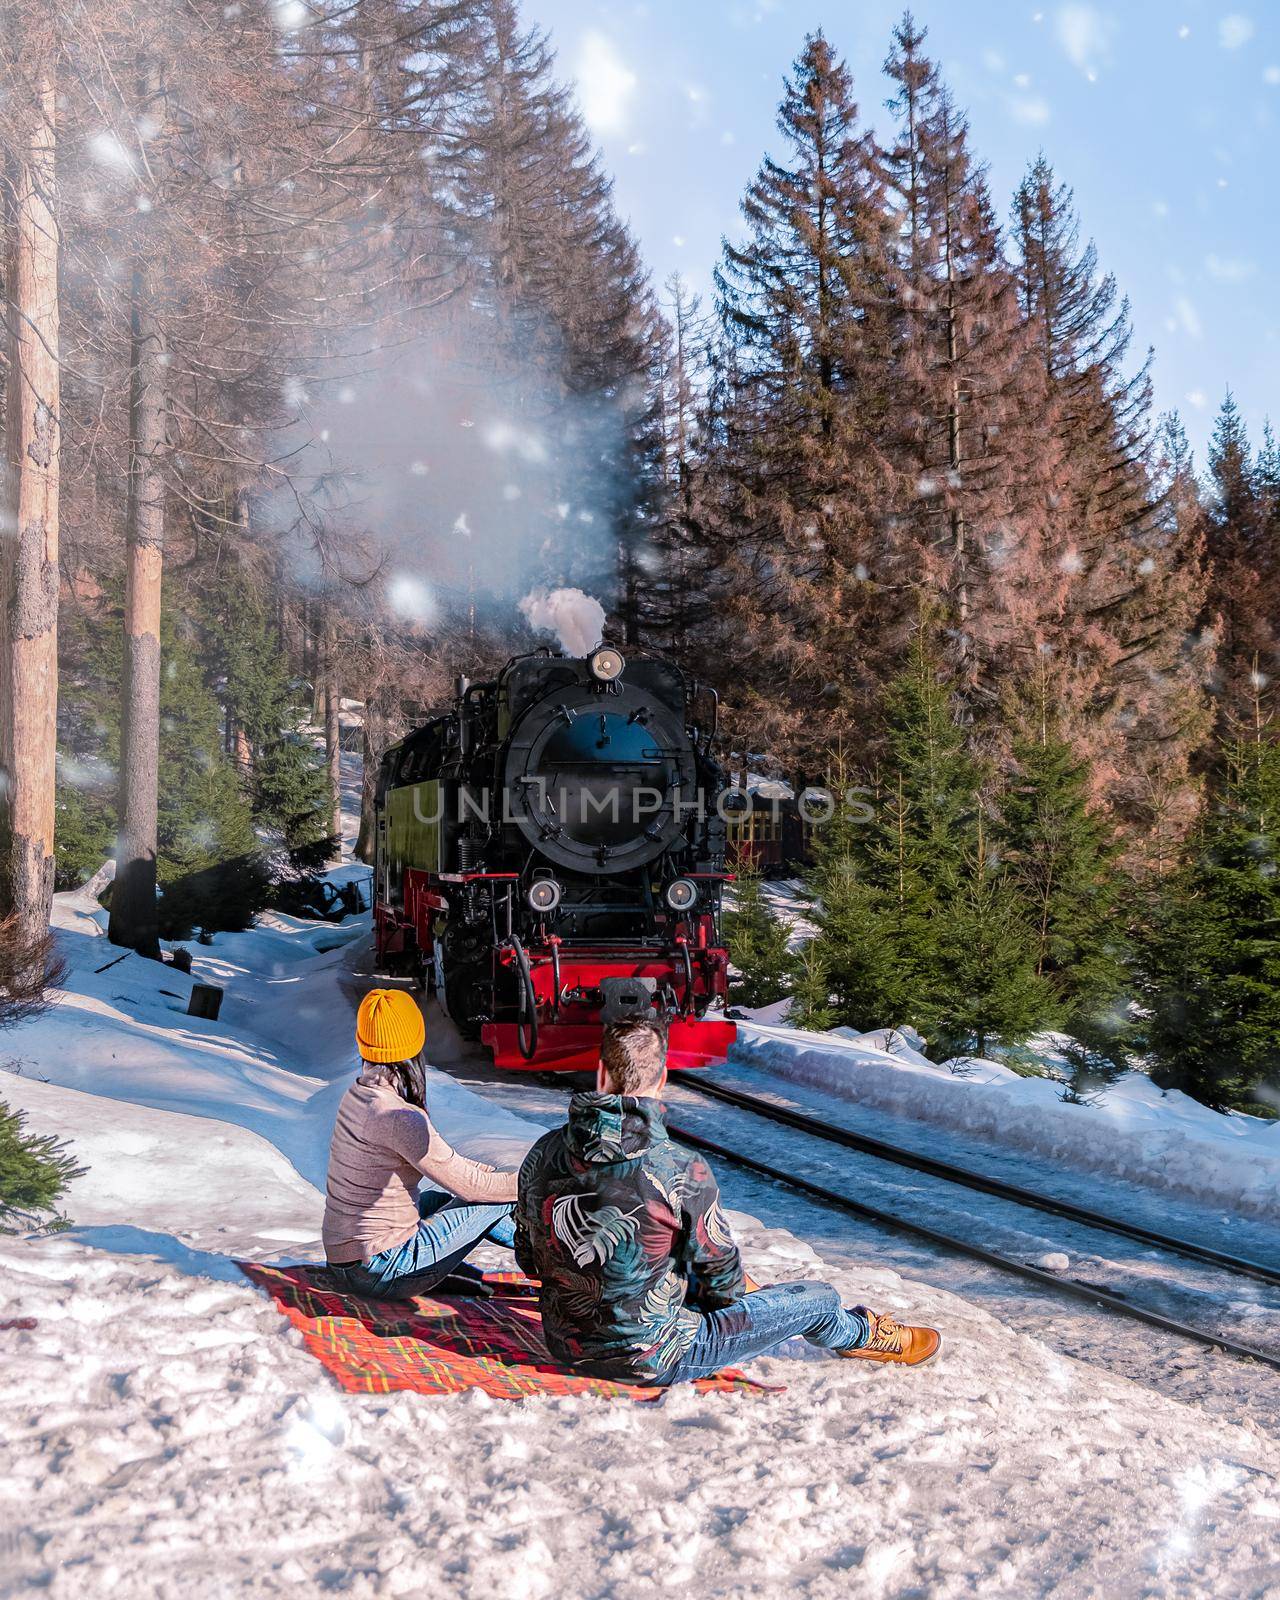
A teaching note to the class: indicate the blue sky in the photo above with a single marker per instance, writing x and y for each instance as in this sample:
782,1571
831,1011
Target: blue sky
1164,117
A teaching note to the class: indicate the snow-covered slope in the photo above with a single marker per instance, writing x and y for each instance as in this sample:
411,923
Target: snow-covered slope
217,1131
1134,1131
164,1434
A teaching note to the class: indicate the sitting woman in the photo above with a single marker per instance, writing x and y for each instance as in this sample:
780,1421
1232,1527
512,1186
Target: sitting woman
380,1239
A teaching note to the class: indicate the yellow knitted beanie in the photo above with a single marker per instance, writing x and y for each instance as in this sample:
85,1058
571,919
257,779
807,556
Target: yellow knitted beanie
389,1026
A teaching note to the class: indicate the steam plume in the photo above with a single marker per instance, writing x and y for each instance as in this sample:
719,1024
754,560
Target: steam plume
575,618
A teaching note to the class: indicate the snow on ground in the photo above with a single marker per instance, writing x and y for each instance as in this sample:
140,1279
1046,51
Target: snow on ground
163,1433
1134,1131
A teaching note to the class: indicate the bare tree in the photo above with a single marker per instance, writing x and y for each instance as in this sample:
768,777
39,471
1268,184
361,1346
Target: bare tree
29,523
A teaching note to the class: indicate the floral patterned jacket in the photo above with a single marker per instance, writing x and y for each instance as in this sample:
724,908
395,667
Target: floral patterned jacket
626,1234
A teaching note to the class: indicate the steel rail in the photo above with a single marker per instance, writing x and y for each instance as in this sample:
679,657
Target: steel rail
990,1258
866,1145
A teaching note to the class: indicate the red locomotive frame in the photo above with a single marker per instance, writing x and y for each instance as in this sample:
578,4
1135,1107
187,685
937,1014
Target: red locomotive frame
564,983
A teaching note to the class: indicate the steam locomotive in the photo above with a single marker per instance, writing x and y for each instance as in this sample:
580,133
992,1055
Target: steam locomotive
550,856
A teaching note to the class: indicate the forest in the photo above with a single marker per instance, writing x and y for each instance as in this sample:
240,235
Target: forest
327,359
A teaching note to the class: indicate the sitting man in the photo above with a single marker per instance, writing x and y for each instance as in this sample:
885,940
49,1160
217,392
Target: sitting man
641,1279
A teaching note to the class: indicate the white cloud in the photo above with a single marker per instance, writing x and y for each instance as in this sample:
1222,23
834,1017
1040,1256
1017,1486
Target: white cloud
1235,31
1229,269
1085,34
605,84
1032,110
1188,317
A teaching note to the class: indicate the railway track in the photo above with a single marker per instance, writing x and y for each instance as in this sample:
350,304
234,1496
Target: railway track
962,1177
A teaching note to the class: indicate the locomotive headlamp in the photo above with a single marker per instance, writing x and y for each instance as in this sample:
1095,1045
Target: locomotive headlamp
544,895
606,664
681,894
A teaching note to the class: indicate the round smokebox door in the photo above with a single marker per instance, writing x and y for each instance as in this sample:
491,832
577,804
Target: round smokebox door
592,778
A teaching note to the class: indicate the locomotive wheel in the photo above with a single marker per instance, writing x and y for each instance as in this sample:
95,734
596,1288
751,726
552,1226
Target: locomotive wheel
459,994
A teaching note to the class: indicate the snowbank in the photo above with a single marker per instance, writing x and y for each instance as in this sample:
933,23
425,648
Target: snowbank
1135,1131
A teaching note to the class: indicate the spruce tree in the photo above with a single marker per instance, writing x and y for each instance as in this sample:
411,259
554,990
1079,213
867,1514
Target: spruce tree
879,886
1060,857
562,310
871,949
918,925
35,1170
1120,585
1242,605
286,782
967,402
208,858
794,533
209,866
757,942
986,989
1208,966
811,1000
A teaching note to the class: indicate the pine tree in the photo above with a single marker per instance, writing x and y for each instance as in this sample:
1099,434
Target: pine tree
208,856
794,528
880,885
871,948
209,865
811,997
931,783
1120,587
985,986
35,1170
918,925
1215,930
288,787
1060,858
1243,601
967,400
561,306
757,942
1209,965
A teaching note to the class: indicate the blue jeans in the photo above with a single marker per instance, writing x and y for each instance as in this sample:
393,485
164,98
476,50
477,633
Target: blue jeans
450,1229
761,1321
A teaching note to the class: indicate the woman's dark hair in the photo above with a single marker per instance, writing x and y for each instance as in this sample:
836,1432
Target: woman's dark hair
409,1079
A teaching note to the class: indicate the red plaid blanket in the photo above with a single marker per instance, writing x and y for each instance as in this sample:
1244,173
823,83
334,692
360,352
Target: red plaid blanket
439,1345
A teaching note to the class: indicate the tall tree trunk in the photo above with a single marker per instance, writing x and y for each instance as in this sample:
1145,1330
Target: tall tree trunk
134,920
370,744
332,728
29,670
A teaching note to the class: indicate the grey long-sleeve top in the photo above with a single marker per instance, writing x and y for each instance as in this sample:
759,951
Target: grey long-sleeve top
382,1148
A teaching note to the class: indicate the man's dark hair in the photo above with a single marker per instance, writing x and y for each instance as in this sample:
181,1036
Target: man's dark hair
634,1052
